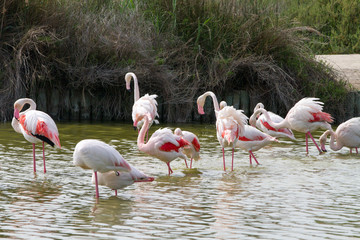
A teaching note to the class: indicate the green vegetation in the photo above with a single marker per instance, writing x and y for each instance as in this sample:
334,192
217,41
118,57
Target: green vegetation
178,49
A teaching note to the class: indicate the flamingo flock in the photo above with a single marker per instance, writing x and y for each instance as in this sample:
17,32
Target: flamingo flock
233,129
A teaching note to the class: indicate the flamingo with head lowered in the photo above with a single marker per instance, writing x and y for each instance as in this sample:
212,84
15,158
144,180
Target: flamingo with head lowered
142,106
117,180
305,116
193,150
347,134
36,126
263,125
100,157
229,124
252,139
162,144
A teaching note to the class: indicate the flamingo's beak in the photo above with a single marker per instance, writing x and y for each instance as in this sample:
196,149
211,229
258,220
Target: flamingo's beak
16,113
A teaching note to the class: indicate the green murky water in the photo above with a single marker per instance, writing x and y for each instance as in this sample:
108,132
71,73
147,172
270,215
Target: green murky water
289,196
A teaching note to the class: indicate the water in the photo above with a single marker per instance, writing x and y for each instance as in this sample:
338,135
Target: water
289,196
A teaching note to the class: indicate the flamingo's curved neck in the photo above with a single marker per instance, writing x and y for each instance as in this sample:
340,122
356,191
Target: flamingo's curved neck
215,101
142,133
334,146
282,124
136,88
20,105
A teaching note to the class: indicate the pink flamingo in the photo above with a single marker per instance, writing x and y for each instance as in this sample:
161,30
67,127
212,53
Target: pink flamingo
193,150
305,116
229,123
145,104
118,180
346,135
253,140
163,144
263,125
100,157
36,126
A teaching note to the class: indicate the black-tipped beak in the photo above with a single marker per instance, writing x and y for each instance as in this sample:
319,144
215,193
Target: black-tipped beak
129,90
324,150
135,128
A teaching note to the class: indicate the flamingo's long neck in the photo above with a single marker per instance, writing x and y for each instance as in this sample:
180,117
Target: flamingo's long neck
334,146
141,137
283,124
136,89
203,98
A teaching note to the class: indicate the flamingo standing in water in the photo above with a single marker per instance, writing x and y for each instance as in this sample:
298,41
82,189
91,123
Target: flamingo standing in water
163,144
229,123
193,150
252,139
36,126
305,116
118,180
100,157
145,104
263,125
346,135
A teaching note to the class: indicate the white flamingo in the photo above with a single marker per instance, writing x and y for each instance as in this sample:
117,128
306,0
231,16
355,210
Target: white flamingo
229,123
346,135
263,125
305,116
193,151
36,126
144,105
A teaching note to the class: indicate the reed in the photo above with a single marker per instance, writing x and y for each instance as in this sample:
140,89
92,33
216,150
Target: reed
178,49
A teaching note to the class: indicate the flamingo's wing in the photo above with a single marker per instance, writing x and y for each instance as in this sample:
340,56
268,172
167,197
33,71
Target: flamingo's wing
97,155
40,125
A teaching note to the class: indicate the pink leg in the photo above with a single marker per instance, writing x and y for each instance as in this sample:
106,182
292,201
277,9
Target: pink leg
306,142
191,163
254,157
170,170
44,157
224,158
96,185
186,163
232,161
115,192
356,151
314,142
34,161
250,159
350,150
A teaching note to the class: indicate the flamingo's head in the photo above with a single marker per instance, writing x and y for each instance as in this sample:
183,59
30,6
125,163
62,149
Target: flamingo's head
128,77
222,104
139,176
322,141
200,103
178,132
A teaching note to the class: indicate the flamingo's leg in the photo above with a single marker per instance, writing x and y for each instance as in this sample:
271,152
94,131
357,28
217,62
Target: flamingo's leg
34,160
251,153
350,150
115,192
191,163
44,157
186,163
356,150
96,185
314,142
250,159
232,160
224,158
170,170
306,142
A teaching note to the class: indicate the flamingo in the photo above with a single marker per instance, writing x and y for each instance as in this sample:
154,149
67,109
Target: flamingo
35,125
193,151
145,104
346,135
263,125
100,157
118,180
253,140
162,144
229,123
305,116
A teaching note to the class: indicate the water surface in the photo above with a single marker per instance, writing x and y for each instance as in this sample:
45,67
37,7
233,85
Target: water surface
289,196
